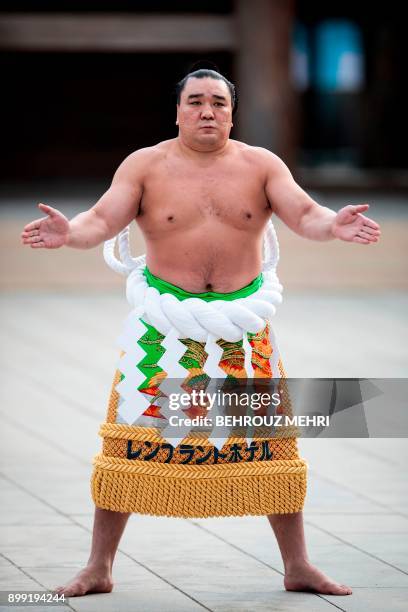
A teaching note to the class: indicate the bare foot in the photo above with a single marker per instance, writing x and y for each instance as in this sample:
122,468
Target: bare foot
307,577
88,580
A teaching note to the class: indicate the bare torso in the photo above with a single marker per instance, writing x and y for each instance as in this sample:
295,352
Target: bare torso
203,221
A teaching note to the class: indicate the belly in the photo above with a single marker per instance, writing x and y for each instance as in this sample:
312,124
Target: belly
219,259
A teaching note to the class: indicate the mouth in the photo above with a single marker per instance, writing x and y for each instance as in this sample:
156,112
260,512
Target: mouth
207,127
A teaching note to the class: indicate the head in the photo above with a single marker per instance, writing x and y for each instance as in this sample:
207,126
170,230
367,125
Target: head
205,104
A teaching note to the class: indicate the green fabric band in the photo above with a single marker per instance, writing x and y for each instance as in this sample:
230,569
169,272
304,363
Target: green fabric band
164,287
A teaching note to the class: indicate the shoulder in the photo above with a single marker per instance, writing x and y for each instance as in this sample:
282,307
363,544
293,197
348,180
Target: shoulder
262,158
138,162
145,156
260,155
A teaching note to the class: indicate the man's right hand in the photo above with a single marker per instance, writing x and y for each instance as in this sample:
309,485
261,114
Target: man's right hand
50,232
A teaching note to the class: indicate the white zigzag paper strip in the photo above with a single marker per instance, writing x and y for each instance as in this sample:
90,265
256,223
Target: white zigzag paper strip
275,354
248,356
249,374
169,431
214,351
213,370
134,401
169,362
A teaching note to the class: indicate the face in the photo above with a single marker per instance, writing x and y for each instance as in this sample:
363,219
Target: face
204,115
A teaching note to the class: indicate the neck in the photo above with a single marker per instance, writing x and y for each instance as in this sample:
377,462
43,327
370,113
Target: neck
195,151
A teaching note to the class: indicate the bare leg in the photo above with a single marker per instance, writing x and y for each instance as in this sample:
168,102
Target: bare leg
96,577
300,574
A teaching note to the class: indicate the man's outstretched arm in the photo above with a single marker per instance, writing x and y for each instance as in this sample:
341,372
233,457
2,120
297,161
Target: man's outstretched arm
308,218
113,211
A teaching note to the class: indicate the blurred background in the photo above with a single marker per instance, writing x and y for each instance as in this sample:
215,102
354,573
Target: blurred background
320,83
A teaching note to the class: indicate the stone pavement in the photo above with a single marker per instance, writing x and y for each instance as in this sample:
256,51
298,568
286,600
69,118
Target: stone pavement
58,358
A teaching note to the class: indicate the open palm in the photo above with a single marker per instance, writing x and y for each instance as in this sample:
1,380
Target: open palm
50,232
352,226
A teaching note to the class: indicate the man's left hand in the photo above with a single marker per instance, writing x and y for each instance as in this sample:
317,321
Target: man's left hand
352,226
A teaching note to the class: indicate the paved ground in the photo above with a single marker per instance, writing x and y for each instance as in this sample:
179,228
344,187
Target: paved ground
58,357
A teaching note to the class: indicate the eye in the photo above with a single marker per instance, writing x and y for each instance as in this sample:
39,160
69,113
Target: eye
195,102
219,104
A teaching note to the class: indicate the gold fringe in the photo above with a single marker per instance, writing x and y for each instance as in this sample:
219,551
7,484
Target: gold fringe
192,491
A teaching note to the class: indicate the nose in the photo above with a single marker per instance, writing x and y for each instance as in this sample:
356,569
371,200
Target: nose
207,112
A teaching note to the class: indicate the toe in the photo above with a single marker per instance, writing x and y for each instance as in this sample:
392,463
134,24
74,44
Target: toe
341,589
74,590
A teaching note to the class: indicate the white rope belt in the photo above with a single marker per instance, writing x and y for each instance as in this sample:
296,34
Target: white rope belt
193,317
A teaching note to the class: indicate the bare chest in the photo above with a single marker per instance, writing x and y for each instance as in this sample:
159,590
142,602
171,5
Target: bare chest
176,197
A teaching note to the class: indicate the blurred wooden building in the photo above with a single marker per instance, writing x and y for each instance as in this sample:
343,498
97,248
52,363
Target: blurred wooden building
85,83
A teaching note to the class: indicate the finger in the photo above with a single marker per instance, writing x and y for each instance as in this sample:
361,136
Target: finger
371,230
360,207
37,245
34,224
32,239
34,232
360,240
370,222
367,236
30,234
48,209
